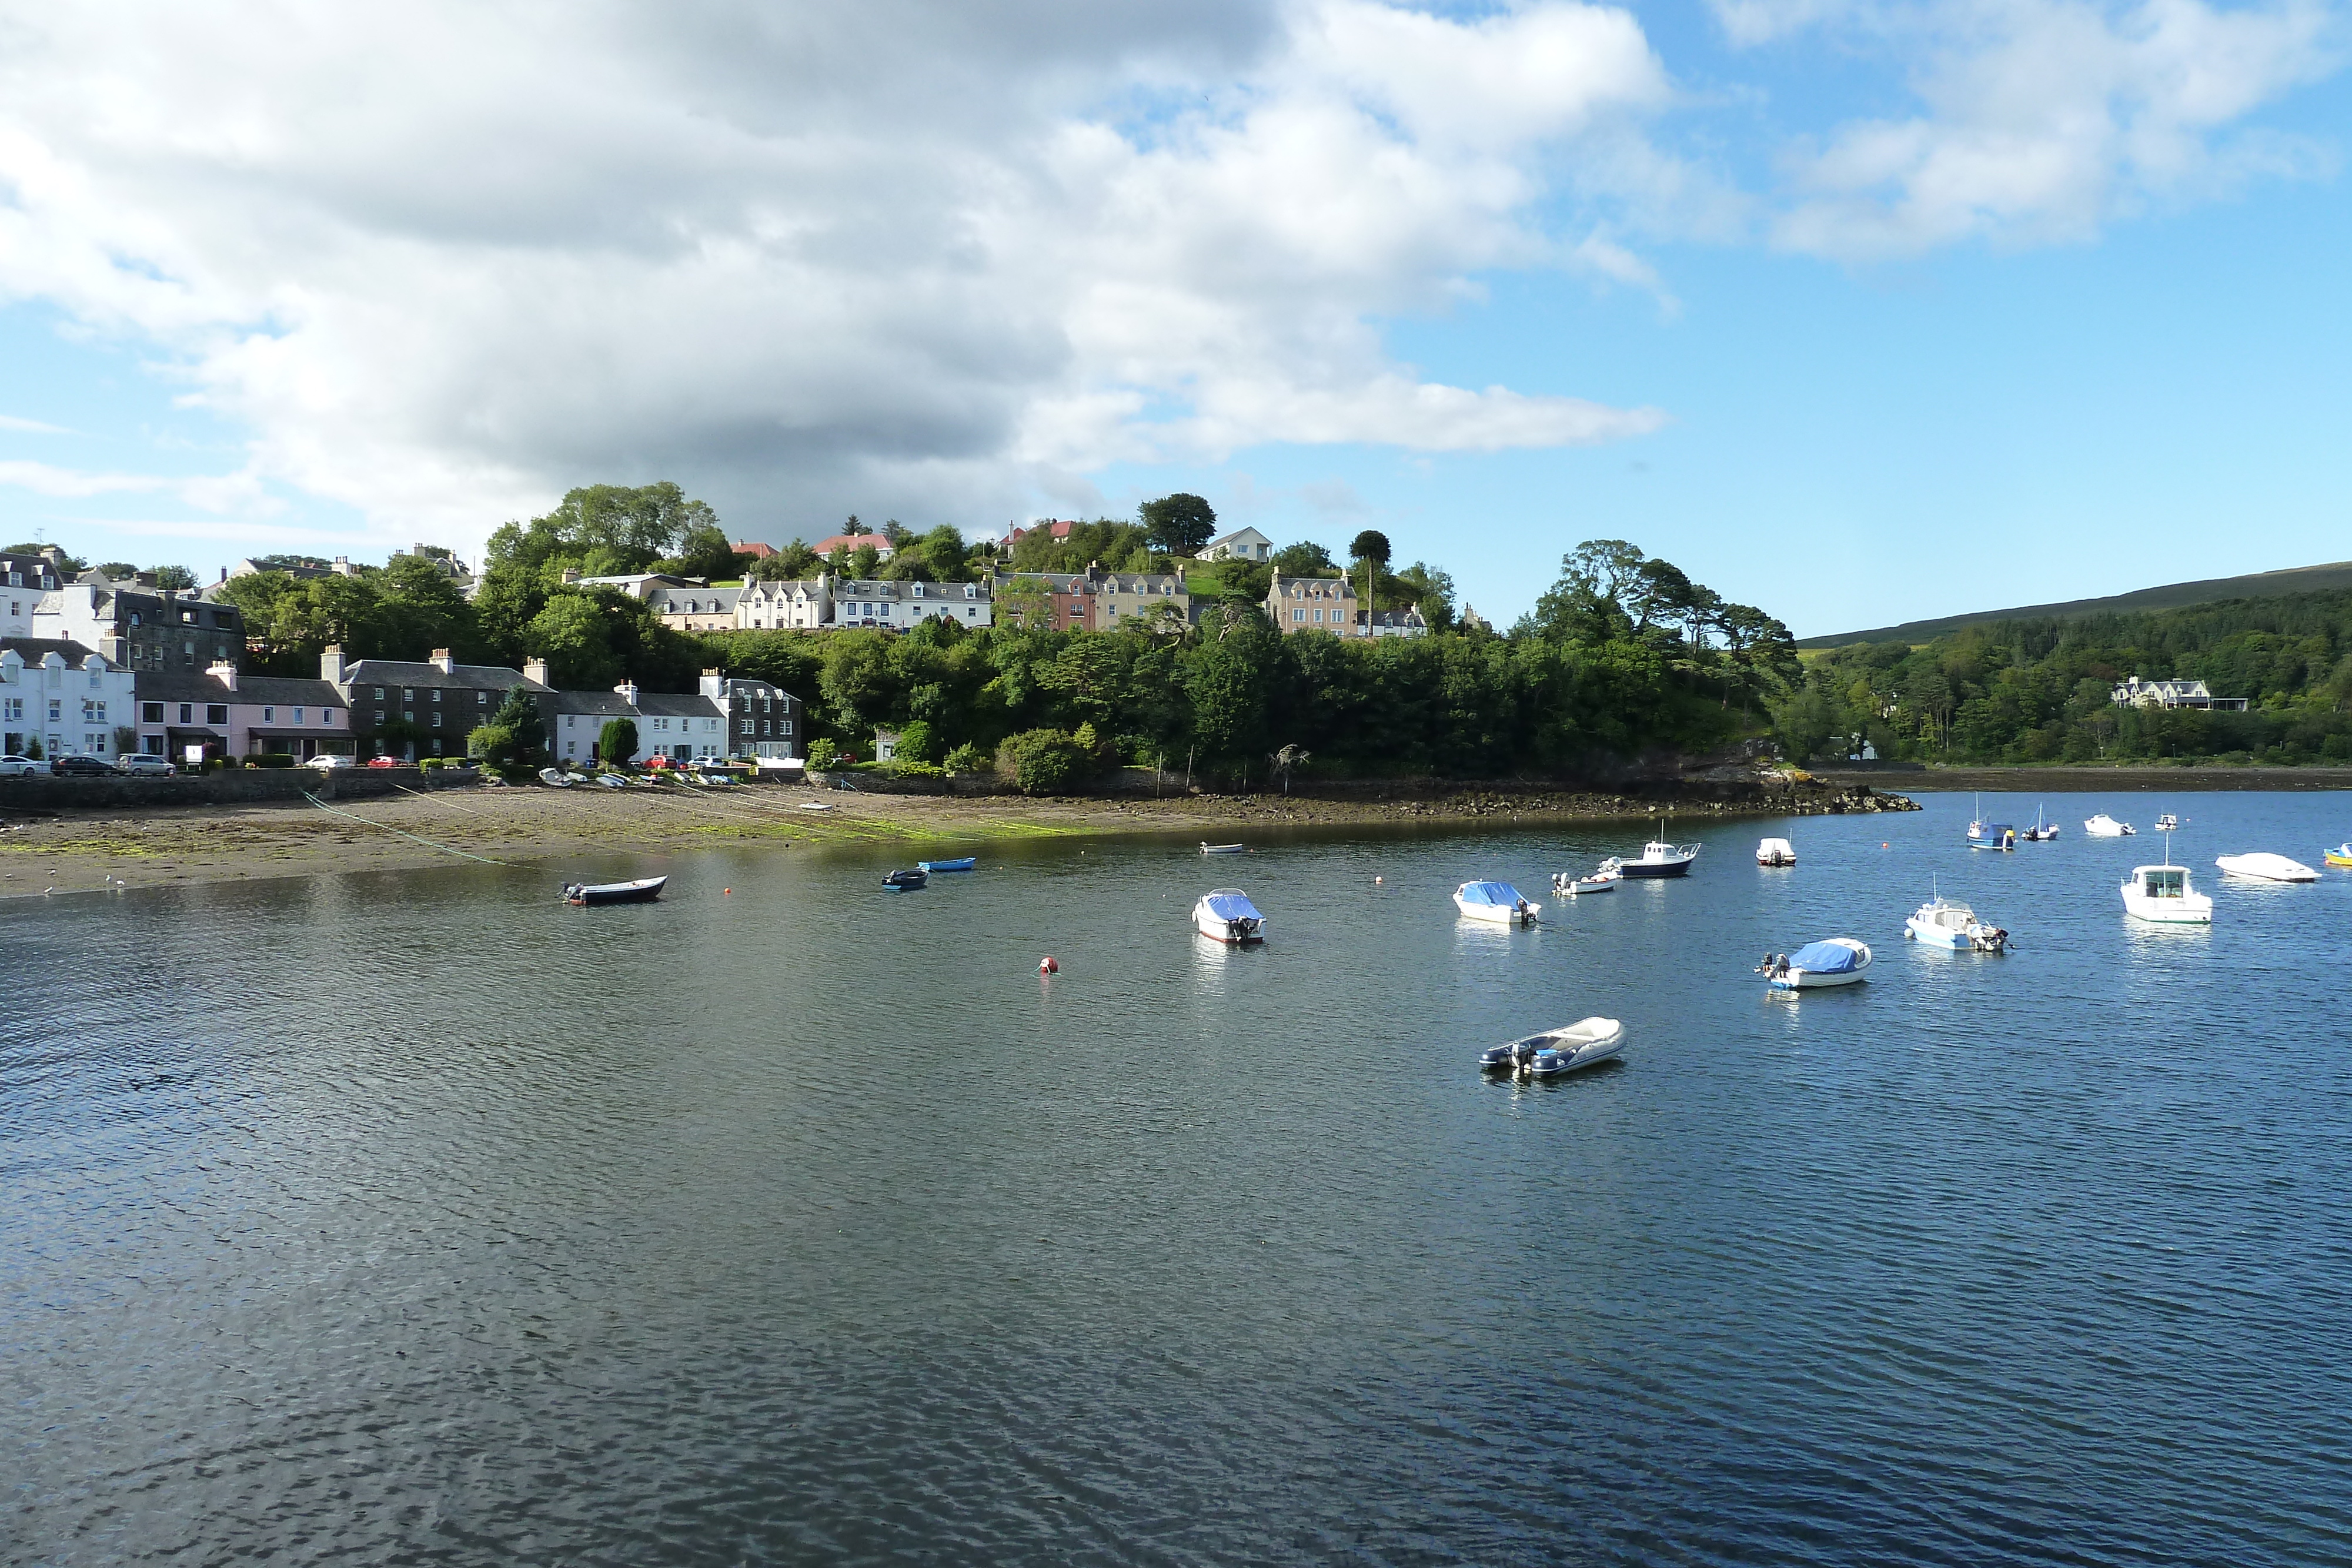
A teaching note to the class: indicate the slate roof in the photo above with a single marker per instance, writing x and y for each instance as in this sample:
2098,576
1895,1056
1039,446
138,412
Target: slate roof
33,650
404,673
675,705
252,691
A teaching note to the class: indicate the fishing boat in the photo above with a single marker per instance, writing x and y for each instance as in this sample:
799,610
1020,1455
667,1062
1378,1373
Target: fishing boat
1776,852
1209,849
2043,830
964,864
1556,1050
1984,835
1940,923
2106,827
906,881
2341,855
1496,901
554,779
2161,894
645,890
1226,915
1837,961
1576,886
2263,866
1658,858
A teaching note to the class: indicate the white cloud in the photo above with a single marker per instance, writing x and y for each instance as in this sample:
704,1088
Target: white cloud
240,492
31,427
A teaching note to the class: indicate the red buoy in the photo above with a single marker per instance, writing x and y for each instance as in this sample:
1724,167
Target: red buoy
1046,966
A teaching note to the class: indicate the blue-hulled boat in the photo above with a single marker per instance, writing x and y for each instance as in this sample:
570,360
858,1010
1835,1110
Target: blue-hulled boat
964,864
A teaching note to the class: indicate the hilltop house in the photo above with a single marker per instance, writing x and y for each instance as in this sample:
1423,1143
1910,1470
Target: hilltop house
164,629
1242,544
1405,622
2136,693
64,696
880,543
1099,600
1313,605
772,606
690,607
28,577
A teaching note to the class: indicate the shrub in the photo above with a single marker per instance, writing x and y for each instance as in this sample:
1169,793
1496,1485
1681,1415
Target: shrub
916,744
969,758
495,743
430,762
270,760
617,741
900,769
821,754
1045,762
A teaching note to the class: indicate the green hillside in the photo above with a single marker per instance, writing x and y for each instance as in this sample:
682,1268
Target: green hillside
2173,596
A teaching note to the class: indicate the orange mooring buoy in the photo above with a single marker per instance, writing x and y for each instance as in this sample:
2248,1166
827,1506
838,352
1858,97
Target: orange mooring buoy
1046,966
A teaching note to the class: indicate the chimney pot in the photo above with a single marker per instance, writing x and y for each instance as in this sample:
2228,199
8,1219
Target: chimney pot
535,669
330,664
443,662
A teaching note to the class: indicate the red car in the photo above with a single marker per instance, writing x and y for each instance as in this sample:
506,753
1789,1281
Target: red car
385,762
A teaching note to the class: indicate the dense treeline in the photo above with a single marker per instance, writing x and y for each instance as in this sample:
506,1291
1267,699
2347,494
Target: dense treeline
2042,690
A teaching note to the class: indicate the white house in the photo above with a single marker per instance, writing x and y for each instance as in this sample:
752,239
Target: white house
2136,693
1242,544
66,697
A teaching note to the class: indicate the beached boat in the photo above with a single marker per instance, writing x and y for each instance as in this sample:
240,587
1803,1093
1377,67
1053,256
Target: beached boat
964,864
1226,915
2106,827
612,781
1496,901
1556,1050
645,890
816,805
1776,852
1209,849
1658,858
1838,961
2342,855
1576,886
1940,923
554,779
2263,866
907,881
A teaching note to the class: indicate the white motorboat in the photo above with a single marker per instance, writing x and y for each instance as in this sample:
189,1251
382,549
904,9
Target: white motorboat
1496,901
2263,866
1658,858
1837,961
612,781
1776,852
1576,886
2161,894
1209,849
555,779
1940,923
1556,1050
2106,827
1226,915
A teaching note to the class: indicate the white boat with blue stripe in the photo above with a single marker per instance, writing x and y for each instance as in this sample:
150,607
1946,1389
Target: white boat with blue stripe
1496,901
1227,915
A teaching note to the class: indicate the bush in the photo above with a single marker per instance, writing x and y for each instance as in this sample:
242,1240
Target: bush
617,741
1045,762
969,758
270,760
821,754
899,769
916,744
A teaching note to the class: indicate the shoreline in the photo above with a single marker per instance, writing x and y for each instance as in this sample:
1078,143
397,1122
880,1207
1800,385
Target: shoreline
2085,781
104,849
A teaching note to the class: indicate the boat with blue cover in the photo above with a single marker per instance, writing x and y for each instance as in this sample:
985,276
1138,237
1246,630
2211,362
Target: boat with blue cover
1496,901
1838,961
964,864
1226,915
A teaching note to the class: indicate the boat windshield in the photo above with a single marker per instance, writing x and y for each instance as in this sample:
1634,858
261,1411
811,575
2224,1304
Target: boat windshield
2165,883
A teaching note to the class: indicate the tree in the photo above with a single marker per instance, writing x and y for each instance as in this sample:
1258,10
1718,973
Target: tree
1305,559
1288,758
173,577
707,554
519,716
967,759
119,570
916,743
616,743
640,524
863,562
789,564
898,533
1178,524
1427,591
1372,549
423,610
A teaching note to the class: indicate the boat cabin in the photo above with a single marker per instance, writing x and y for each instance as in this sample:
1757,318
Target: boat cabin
2163,882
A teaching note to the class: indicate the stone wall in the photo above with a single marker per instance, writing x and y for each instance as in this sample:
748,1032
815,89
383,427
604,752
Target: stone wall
244,786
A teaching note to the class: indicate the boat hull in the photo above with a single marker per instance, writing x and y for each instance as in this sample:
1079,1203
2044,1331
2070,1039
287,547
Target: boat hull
641,892
1794,978
2197,910
906,881
1649,871
1557,1051
1495,914
1966,940
1232,932
2267,868
964,864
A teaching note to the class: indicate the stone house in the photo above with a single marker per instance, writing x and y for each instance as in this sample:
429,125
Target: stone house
1313,605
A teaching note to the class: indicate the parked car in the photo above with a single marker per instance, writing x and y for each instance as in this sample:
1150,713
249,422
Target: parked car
78,763
13,765
386,762
329,759
143,762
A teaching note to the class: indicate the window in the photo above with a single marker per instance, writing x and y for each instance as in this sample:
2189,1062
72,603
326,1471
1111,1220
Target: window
437,694
326,715
269,716
187,712
298,715
408,693
216,713
188,655
379,694
482,699
150,712
972,590
16,709
134,617
436,720
56,710
1298,615
786,728
379,715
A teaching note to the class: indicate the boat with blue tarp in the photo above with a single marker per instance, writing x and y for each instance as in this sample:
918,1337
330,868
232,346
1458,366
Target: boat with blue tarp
1226,915
1496,901
1837,961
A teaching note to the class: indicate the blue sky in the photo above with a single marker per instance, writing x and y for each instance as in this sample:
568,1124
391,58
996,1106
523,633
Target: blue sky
1838,306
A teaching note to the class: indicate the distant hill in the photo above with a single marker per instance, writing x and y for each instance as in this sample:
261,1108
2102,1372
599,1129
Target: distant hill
2258,585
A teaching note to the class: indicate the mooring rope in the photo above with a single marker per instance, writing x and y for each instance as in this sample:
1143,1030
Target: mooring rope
432,801
427,842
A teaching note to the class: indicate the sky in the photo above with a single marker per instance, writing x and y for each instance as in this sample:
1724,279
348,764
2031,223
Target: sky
1856,310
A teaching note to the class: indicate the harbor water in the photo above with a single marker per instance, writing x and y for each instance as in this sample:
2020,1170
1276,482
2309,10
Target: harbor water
420,1218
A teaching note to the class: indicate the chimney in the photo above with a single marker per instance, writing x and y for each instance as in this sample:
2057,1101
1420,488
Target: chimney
224,671
628,690
330,664
571,574
443,662
714,684
535,669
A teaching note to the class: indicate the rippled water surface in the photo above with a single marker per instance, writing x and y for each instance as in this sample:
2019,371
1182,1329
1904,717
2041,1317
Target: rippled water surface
418,1218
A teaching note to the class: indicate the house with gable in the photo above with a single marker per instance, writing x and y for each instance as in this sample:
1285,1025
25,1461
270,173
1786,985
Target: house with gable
1313,605
1242,544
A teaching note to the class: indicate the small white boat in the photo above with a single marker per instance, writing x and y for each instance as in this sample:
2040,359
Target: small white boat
2263,866
1208,849
1940,923
1576,886
816,805
2161,894
1776,852
554,779
612,781
2106,827
1556,1050
1226,915
1658,858
1496,901
2043,832
1838,961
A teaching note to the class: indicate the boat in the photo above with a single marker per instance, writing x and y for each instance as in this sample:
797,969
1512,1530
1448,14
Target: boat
2342,855
1776,852
2161,894
1556,1050
1837,961
906,881
816,805
964,864
2106,827
1209,849
1658,858
2043,830
1984,835
1940,923
1227,914
1496,901
1576,886
612,781
554,779
2263,866
645,890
